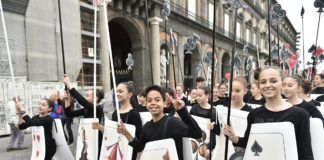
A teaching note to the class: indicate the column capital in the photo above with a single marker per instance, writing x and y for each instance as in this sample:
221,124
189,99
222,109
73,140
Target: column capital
155,20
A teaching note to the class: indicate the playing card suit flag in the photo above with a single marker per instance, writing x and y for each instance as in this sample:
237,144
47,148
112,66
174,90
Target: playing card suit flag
292,63
287,45
309,68
228,76
319,51
310,74
294,57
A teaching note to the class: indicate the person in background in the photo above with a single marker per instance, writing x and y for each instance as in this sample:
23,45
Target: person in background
180,94
222,88
133,100
200,81
68,122
192,97
306,88
169,109
56,113
15,132
318,82
256,97
142,100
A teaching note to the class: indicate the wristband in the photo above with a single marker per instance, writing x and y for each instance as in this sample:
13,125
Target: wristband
22,113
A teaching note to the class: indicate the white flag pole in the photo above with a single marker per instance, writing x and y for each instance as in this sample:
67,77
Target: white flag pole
111,59
95,63
8,50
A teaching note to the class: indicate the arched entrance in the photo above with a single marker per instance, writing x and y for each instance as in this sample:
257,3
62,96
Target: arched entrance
191,62
125,38
226,66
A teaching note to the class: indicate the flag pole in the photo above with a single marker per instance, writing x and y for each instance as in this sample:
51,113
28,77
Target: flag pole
212,78
320,5
302,15
95,62
8,52
111,59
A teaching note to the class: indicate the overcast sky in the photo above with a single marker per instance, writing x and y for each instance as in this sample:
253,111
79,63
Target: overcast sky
293,8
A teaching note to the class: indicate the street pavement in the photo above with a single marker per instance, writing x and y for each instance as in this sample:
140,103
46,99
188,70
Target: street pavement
26,154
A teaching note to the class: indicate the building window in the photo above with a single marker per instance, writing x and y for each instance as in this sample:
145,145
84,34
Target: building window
192,9
247,37
262,43
226,23
254,39
210,14
238,30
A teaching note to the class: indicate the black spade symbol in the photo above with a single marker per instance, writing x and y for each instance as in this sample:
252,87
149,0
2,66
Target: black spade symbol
256,148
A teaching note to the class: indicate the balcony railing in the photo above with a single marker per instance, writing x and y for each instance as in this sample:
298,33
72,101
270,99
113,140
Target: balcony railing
87,80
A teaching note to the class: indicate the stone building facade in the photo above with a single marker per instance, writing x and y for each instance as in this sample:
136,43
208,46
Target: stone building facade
129,34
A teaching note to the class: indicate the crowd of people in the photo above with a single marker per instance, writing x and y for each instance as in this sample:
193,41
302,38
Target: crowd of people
280,99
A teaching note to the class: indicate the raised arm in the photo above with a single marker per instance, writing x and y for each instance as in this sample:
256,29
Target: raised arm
74,93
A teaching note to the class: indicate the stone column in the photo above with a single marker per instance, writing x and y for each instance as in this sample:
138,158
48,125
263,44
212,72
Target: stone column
181,57
104,51
155,45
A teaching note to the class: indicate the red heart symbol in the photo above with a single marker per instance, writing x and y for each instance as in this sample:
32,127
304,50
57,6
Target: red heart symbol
37,153
319,51
292,63
286,72
309,69
299,62
266,66
38,138
310,74
287,45
294,57
228,76
106,138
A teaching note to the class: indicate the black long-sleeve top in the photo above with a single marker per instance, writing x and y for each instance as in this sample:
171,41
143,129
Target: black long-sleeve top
311,109
197,110
318,90
87,111
169,110
261,101
47,123
315,102
300,119
168,127
131,117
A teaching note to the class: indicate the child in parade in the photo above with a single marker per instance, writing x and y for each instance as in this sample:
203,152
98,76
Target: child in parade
87,102
222,88
291,88
256,98
202,109
161,126
305,90
43,119
128,114
319,86
276,110
192,97
180,94
142,99
169,109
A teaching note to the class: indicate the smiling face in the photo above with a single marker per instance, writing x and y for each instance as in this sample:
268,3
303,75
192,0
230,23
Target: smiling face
154,103
222,90
270,83
123,94
201,97
193,94
317,80
290,87
43,107
238,92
